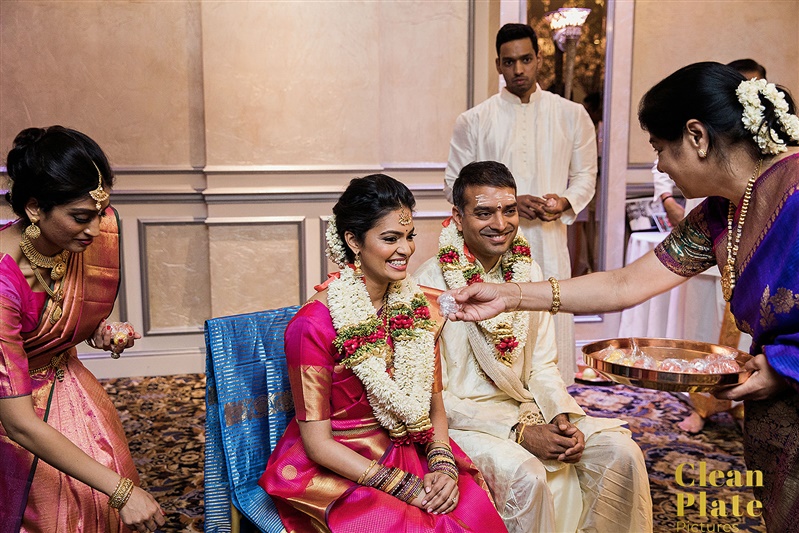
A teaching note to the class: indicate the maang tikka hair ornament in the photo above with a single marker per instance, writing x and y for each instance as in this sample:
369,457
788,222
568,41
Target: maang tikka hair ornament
99,195
404,217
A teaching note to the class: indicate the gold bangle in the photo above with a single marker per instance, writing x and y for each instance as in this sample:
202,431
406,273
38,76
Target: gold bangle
121,493
444,444
555,296
366,472
520,297
520,432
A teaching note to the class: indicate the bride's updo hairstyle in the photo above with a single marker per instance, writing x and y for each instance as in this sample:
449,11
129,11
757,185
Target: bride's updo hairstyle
706,92
54,166
366,201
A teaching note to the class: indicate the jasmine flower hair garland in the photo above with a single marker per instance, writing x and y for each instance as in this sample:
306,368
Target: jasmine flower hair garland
767,139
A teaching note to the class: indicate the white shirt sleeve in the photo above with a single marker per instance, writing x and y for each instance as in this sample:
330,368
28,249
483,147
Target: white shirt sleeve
582,168
461,152
663,183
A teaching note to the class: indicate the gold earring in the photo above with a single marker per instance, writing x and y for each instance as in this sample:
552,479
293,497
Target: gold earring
702,154
358,271
33,232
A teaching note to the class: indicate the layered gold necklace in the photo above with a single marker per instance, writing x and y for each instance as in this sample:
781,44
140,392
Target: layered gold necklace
728,272
58,268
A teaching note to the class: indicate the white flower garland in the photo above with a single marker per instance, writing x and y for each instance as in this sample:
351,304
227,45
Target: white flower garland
335,249
748,93
459,271
400,403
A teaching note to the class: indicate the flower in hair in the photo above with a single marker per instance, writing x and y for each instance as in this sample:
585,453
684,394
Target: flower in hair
335,249
749,95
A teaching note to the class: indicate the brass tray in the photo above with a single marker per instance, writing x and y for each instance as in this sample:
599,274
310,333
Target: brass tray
660,349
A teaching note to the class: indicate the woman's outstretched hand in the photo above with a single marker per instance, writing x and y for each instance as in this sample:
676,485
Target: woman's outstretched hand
478,302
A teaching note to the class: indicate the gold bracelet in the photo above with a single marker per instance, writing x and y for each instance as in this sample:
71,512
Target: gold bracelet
555,296
520,297
444,444
366,472
520,432
121,493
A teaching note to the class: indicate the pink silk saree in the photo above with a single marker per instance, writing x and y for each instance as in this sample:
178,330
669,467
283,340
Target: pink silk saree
36,496
311,498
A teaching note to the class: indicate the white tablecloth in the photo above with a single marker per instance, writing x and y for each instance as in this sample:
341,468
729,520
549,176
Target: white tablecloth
692,311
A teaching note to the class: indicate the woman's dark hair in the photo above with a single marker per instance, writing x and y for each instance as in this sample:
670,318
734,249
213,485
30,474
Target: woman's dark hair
478,173
366,201
704,92
54,166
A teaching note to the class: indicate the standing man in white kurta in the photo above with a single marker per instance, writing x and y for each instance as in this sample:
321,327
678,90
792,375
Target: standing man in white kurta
550,467
549,144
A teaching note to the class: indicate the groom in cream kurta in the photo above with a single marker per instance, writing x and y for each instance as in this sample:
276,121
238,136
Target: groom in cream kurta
607,489
549,144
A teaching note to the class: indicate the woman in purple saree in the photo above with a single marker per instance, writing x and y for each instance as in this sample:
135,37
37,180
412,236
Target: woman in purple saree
369,448
734,141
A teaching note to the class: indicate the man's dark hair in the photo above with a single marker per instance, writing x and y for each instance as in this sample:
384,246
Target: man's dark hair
748,65
481,173
514,32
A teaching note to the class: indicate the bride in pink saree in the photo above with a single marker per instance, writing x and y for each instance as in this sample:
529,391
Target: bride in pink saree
369,448
63,450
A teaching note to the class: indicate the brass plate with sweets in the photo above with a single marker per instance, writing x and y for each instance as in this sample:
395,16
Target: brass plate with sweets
661,349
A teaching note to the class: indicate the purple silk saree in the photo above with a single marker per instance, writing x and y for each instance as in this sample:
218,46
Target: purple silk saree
765,304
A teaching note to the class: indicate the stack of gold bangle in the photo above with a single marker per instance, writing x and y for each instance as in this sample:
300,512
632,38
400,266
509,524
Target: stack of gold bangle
121,494
402,485
441,459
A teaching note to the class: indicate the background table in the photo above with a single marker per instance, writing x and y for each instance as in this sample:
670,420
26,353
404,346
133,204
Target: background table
692,310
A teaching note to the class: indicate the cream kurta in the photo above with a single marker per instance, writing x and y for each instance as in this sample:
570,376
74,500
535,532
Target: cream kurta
549,145
527,491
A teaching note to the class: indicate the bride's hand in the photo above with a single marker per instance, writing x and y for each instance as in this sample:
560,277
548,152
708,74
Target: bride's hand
478,302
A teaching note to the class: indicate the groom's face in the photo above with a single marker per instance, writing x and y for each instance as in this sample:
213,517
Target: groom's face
489,221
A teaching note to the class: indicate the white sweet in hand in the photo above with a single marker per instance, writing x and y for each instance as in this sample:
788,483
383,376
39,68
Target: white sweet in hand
448,304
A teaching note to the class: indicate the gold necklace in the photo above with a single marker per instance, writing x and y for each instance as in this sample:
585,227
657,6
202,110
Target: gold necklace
58,268
728,272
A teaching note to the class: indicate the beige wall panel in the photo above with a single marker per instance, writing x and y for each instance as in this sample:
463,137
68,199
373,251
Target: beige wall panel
254,267
126,73
670,35
423,77
428,228
177,276
291,83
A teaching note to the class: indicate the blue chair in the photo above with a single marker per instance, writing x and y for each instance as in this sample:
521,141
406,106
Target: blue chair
248,406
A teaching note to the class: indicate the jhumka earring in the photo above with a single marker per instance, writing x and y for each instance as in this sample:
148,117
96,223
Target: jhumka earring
358,271
33,231
99,195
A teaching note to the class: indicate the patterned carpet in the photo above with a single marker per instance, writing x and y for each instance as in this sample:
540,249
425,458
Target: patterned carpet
164,418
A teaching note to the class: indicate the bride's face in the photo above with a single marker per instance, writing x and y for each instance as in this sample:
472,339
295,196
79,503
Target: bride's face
387,247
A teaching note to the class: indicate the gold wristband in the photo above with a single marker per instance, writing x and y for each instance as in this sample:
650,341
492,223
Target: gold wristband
516,308
365,474
121,493
555,296
520,432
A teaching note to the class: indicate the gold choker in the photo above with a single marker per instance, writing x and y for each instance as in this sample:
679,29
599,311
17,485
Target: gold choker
58,268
